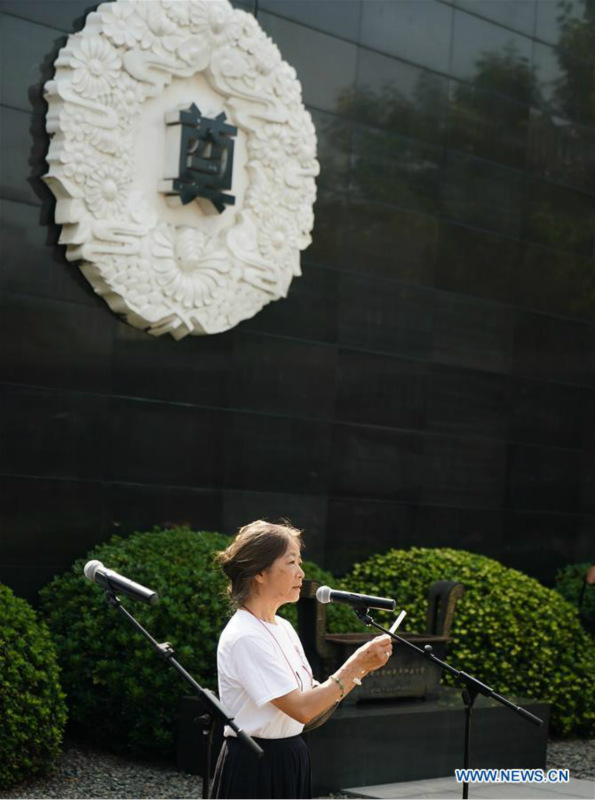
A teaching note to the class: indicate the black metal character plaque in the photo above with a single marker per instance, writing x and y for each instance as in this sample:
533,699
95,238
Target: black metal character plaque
205,160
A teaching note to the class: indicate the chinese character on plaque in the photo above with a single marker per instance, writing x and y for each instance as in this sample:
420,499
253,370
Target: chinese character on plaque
203,150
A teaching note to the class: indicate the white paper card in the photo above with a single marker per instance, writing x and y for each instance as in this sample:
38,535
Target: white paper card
398,621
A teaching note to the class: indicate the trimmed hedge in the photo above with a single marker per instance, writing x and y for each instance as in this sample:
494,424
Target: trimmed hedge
339,618
121,694
32,707
509,631
569,583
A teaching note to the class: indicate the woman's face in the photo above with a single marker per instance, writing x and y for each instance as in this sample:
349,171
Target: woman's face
282,581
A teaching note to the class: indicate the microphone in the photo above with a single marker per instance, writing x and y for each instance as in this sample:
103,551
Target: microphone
324,594
96,572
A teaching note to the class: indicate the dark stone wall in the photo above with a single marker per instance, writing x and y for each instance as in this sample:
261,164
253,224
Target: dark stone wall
430,380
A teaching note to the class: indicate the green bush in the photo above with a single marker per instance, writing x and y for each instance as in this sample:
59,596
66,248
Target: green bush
339,618
569,583
509,631
121,693
32,707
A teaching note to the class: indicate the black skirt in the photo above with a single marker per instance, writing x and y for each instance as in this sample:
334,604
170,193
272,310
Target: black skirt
282,772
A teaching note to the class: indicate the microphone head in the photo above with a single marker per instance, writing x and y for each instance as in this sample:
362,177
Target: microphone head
91,568
323,594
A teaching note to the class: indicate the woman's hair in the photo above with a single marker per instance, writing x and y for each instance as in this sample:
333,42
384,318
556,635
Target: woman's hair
253,550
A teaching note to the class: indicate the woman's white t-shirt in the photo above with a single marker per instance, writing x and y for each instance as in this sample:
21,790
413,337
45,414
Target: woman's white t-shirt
257,662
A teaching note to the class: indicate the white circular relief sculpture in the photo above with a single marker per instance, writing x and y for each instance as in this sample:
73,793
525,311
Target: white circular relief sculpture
146,89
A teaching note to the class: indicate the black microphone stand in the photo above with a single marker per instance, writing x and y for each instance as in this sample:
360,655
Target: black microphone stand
471,686
213,708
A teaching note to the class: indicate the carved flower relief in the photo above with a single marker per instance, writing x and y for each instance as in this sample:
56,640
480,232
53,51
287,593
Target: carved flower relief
266,57
106,141
287,86
183,280
77,128
304,222
264,196
277,239
113,268
248,34
74,123
271,145
96,66
299,188
210,19
308,191
190,268
158,26
132,276
121,23
297,198
248,302
231,63
178,11
303,139
106,191
126,98
76,159
254,66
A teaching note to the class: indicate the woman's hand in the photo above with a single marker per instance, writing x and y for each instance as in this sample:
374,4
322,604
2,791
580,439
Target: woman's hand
305,706
375,653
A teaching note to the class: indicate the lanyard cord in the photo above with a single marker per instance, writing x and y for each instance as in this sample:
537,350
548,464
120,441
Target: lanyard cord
278,643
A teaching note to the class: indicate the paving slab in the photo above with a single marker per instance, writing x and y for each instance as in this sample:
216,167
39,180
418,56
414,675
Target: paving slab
447,788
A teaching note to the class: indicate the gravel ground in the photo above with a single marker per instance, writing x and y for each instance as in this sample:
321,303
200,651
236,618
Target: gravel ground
86,772
578,755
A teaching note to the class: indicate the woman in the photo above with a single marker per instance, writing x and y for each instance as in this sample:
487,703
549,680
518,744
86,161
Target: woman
265,680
